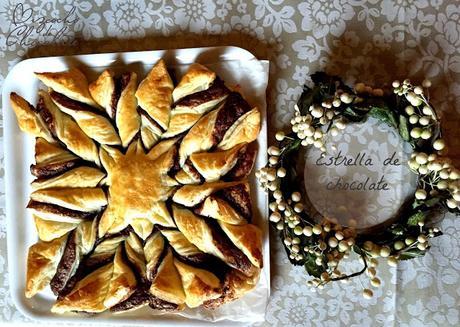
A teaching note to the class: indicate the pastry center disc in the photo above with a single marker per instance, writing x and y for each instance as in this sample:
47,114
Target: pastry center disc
139,185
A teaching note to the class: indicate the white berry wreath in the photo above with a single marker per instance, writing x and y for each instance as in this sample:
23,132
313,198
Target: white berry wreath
321,244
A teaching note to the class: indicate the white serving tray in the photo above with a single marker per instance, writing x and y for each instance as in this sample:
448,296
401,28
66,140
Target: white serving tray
235,65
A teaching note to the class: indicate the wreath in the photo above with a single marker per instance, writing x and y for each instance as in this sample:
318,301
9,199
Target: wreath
319,244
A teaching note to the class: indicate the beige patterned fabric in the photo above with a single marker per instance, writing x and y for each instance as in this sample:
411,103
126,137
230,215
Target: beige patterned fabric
374,41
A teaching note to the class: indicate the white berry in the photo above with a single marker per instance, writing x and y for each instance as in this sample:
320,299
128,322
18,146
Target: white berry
279,136
420,194
439,144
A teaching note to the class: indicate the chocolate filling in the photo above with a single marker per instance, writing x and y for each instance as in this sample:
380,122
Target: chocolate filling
59,211
235,107
239,199
124,232
152,121
87,266
234,256
142,297
85,313
228,292
175,168
46,116
191,170
98,260
53,169
139,298
215,303
74,105
66,264
120,84
134,267
243,166
153,272
205,261
217,90
162,305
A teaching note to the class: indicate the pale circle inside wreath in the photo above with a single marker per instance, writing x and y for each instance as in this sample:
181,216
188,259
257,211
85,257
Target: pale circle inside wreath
363,179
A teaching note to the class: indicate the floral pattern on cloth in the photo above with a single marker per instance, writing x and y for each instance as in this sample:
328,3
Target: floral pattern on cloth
373,41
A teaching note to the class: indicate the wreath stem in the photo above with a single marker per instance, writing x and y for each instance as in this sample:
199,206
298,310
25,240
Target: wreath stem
361,253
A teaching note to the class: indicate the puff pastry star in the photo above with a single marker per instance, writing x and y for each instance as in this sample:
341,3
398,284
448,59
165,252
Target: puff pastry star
141,195
139,185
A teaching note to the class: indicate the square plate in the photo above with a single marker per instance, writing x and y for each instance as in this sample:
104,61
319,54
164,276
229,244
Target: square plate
238,67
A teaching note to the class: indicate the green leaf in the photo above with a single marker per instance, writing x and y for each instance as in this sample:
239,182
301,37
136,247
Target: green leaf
403,128
416,204
292,146
397,229
351,112
308,97
385,115
354,115
311,267
411,253
416,218
324,88
432,202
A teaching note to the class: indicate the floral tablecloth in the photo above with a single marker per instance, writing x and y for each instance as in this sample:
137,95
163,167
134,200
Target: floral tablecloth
373,40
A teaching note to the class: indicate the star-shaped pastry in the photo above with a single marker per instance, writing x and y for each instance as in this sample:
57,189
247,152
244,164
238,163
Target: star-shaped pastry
141,194
139,185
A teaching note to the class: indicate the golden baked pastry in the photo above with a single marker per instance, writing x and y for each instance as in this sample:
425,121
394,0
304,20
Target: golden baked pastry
199,91
116,94
154,94
72,83
42,262
141,195
65,129
29,119
232,123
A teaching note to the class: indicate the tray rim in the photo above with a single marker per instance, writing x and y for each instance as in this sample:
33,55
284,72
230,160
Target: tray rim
226,53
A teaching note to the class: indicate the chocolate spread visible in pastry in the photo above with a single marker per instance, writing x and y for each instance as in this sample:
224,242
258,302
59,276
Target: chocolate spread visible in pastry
120,84
140,277
54,169
92,263
215,91
191,170
66,265
186,266
139,298
67,102
152,121
142,295
59,211
154,270
228,292
46,116
235,107
215,303
243,166
159,304
239,198
124,232
205,261
175,168
234,256
87,266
